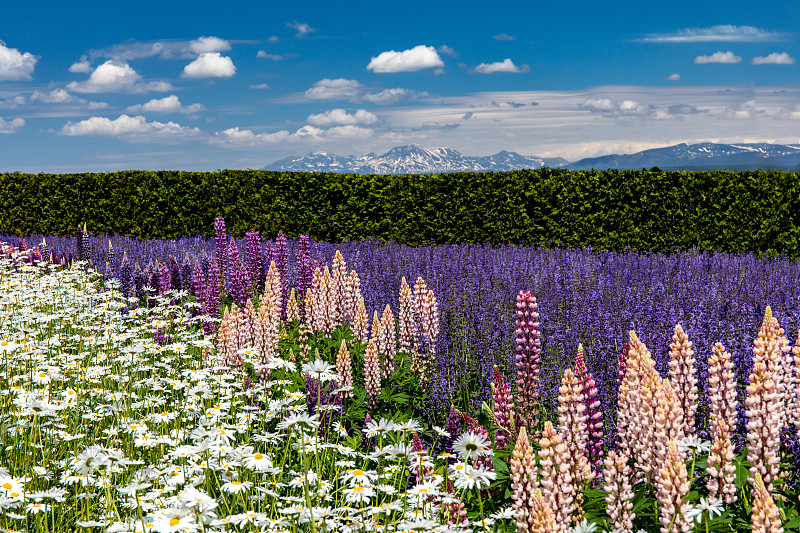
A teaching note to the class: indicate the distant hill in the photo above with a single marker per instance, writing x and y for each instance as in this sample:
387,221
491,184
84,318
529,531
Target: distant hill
415,159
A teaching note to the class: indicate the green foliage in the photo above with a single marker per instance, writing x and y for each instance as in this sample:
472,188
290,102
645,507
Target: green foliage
755,211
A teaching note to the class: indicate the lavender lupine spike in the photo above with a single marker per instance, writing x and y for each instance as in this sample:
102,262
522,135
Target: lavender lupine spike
238,283
594,417
127,285
528,350
174,274
164,278
186,274
305,269
503,410
221,241
684,377
253,264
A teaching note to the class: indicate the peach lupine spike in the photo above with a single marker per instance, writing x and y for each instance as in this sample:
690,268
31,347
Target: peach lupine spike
555,483
503,409
765,514
683,374
721,389
523,481
669,425
572,423
795,389
344,366
292,308
339,273
407,324
361,322
353,295
721,470
543,519
619,491
388,341
672,487
372,376
763,433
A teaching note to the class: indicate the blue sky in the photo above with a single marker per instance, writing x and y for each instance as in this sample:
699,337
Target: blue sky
91,86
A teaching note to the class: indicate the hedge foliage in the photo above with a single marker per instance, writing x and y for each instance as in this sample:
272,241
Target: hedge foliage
755,211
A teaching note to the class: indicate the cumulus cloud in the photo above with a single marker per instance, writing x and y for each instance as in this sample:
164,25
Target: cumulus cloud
719,33
15,65
113,77
417,58
205,45
169,104
302,28
504,37
774,58
135,128
210,65
340,116
674,77
334,89
12,126
82,67
239,137
501,66
261,54
718,57
13,102
56,96
444,49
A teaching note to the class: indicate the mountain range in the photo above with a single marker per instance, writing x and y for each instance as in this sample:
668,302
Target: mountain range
415,159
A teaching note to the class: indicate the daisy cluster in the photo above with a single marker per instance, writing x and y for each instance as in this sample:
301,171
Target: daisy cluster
109,425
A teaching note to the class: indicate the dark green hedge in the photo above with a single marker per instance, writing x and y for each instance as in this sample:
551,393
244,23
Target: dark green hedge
723,211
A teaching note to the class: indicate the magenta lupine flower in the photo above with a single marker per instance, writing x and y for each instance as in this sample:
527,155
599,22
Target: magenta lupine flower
212,295
221,241
528,350
503,409
254,267
594,417
164,278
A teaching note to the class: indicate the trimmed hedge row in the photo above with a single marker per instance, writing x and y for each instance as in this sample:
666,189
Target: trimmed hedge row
755,211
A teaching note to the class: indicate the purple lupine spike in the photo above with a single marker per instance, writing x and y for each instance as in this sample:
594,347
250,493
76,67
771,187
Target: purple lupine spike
281,258
221,241
253,264
211,295
528,350
139,280
186,274
174,274
503,409
164,278
305,270
198,281
326,398
238,280
623,363
367,442
85,252
204,262
79,243
594,416
126,277
111,262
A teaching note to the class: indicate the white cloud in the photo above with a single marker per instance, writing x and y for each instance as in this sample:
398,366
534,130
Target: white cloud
444,49
82,67
260,86
11,127
501,66
674,77
135,128
14,65
210,65
417,58
239,137
204,45
56,96
720,33
301,27
334,89
261,54
774,58
274,39
504,37
113,77
634,108
718,57
169,104
392,96
13,103
340,116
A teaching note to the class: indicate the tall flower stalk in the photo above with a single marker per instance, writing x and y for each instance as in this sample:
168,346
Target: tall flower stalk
528,351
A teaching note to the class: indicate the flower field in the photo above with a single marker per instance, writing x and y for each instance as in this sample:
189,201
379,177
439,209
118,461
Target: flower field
291,385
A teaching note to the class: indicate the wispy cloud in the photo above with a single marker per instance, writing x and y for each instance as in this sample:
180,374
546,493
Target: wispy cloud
504,37
12,126
168,49
718,57
719,33
302,28
354,91
501,66
774,58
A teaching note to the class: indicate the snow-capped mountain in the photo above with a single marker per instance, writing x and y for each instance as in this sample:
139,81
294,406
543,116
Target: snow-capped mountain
411,159
702,156
415,159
